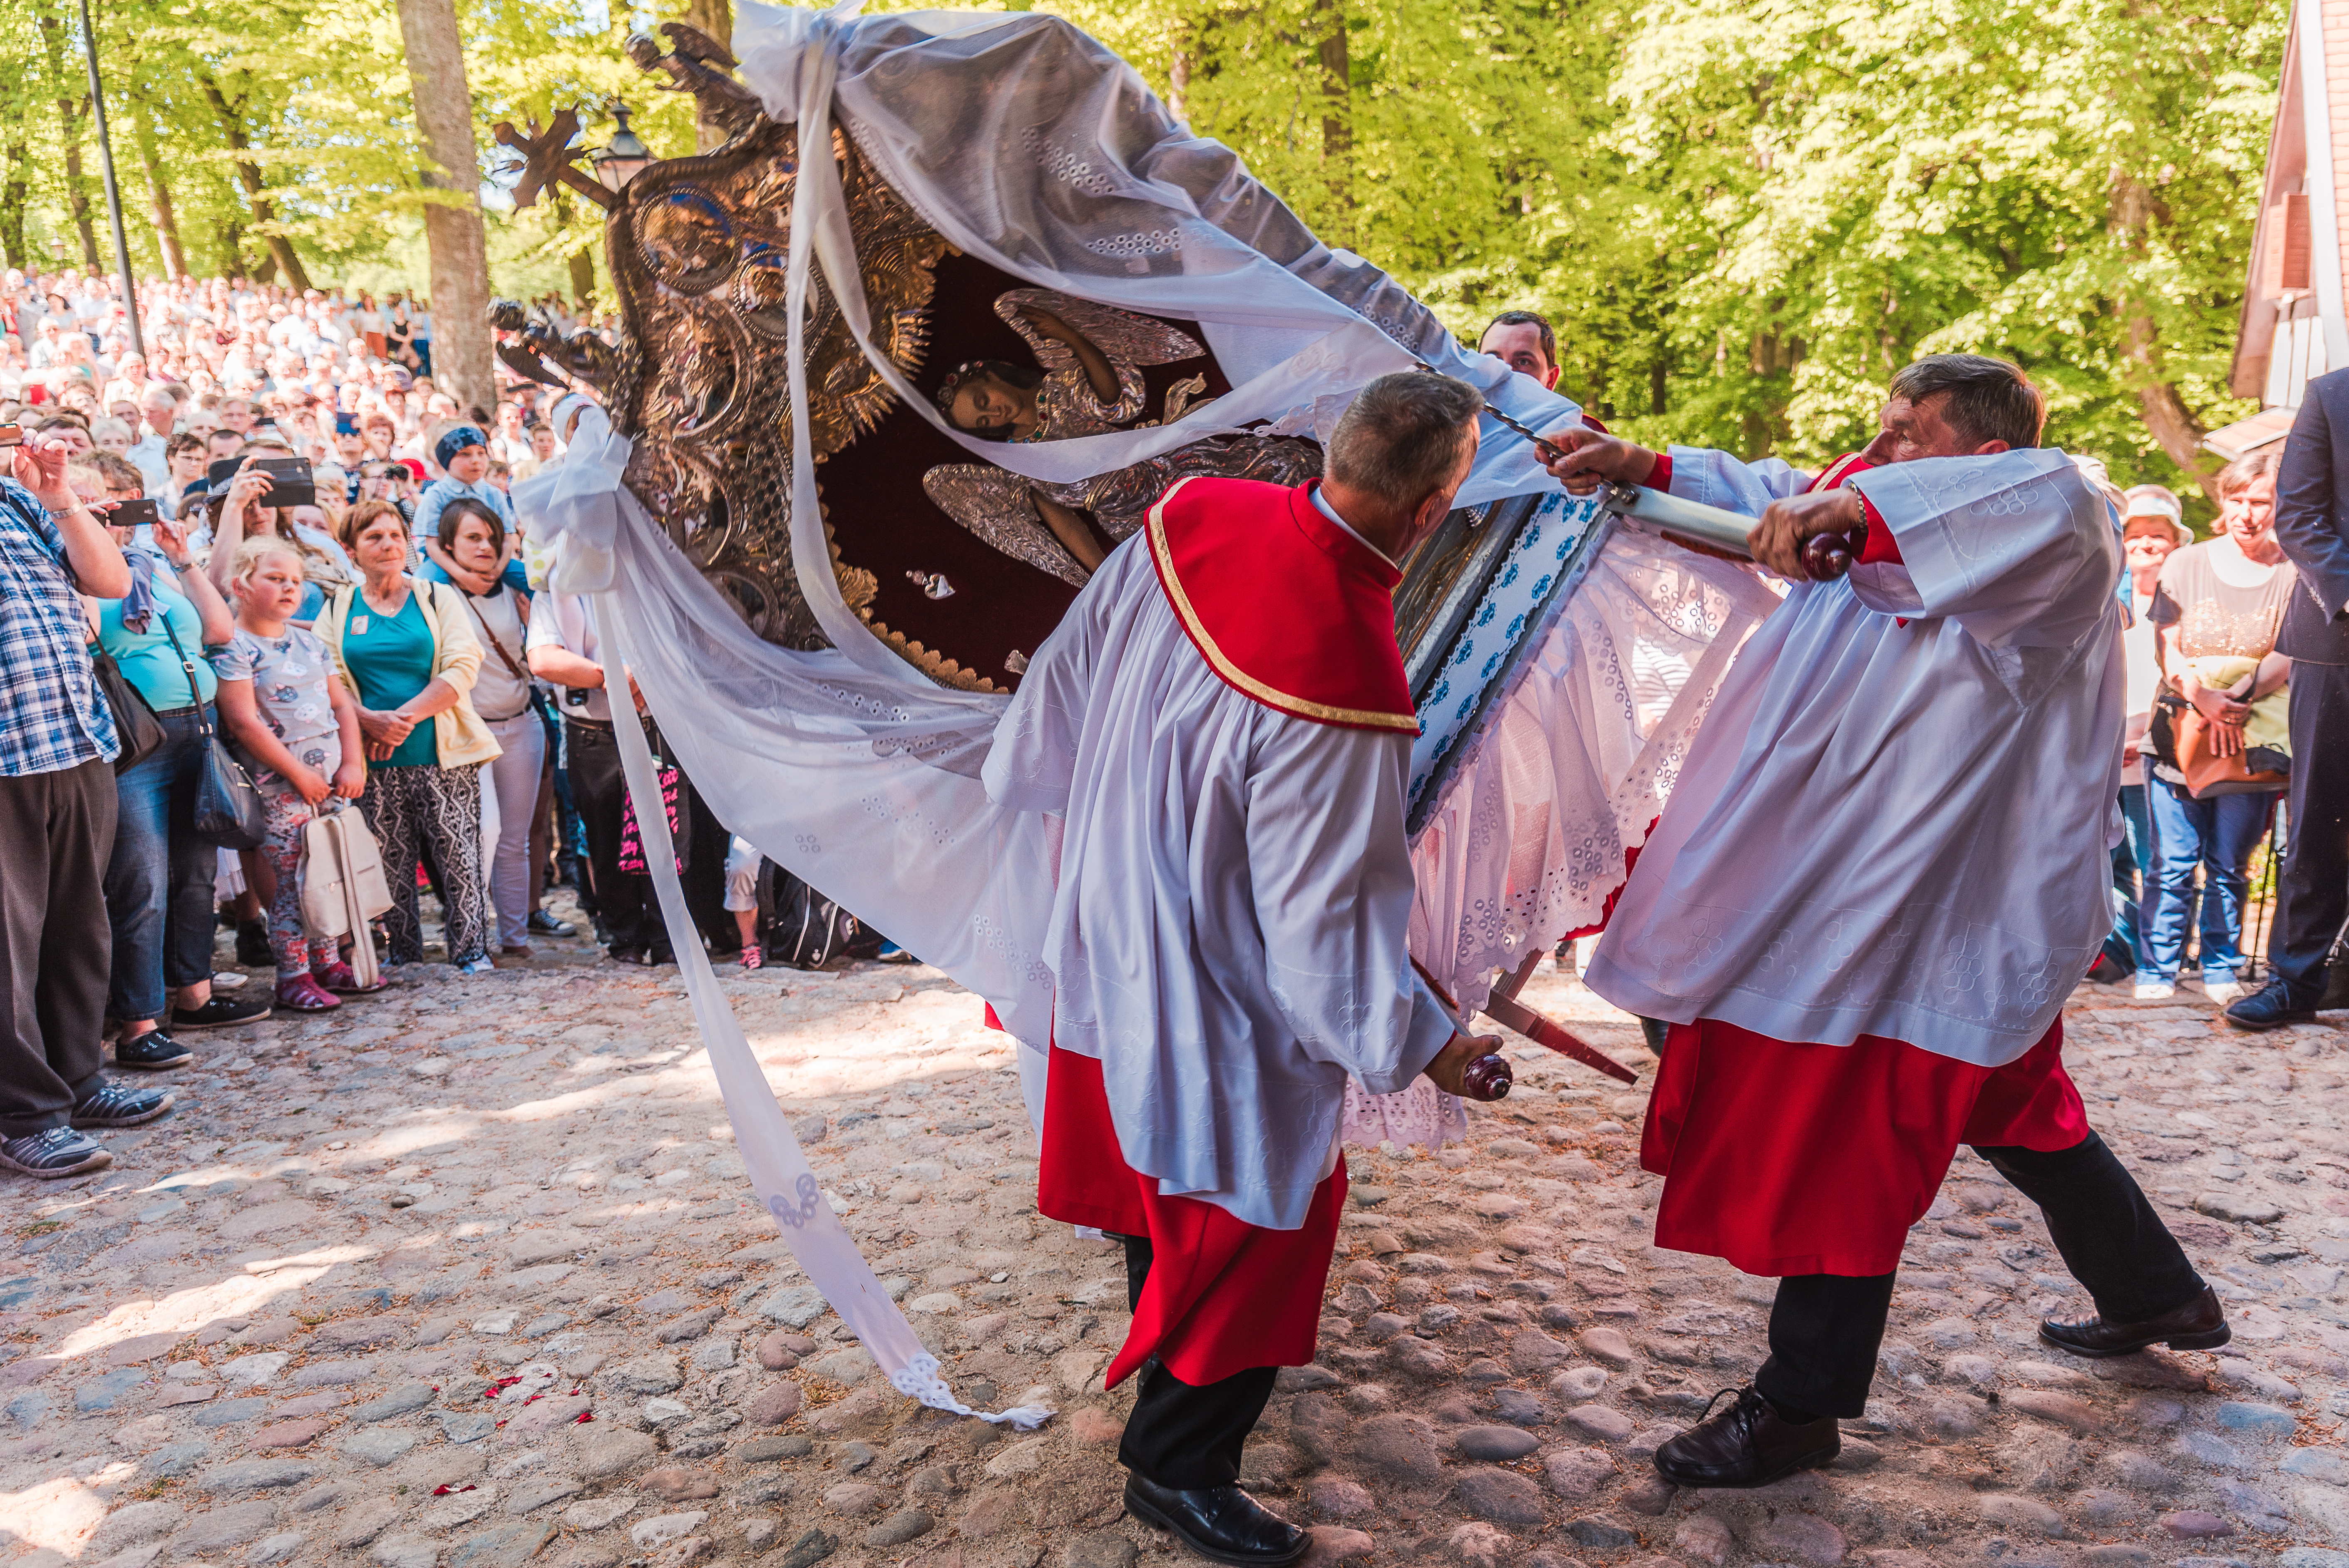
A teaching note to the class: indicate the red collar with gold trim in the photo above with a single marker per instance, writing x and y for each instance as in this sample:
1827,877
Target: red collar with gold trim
1833,476
1288,608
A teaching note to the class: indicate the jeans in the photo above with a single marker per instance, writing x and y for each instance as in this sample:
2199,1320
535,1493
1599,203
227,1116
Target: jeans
2219,835
2132,880
510,807
159,880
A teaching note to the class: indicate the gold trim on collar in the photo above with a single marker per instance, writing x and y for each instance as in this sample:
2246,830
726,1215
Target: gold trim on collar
1231,673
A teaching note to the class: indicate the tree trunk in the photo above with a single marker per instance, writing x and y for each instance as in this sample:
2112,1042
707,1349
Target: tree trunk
1337,117
70,110
14,188
230,235
582,261
715,18
2164,412
461,362
1178,74
158,190
257,190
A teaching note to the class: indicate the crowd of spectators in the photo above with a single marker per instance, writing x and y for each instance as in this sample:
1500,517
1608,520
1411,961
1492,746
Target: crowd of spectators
364,631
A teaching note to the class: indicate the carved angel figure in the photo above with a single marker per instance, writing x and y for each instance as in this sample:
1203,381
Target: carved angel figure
1088,374
1089,382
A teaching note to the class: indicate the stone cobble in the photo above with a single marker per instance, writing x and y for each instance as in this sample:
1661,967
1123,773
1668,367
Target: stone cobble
468,1274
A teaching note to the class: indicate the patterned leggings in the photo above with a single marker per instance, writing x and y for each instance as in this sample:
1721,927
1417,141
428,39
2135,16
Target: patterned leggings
429,809
288,814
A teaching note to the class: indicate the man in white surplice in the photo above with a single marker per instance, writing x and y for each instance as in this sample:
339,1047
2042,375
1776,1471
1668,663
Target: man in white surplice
1883,869
1224,721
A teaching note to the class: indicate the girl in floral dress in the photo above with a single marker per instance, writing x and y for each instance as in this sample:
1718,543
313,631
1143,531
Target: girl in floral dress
296,724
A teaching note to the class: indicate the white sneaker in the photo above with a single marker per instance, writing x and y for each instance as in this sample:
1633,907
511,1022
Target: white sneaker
2222,991
2155,990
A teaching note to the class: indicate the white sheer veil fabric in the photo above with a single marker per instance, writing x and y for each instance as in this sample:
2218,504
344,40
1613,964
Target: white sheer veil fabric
865,776
850,768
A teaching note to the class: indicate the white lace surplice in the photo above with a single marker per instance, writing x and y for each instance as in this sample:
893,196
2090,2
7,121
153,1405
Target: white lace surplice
1563,778
1227,934
1895,821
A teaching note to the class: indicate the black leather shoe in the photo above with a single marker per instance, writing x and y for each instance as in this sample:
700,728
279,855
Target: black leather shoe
2199,1324
1747,1445
1221,1523
152,1052
2272,1006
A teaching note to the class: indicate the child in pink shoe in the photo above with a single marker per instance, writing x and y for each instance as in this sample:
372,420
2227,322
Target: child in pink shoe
298,727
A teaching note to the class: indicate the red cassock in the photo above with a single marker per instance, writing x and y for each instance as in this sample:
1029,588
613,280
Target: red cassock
1794,1159
1803,1159
1292,611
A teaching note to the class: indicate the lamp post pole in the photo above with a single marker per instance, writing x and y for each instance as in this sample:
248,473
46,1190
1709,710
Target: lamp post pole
113,192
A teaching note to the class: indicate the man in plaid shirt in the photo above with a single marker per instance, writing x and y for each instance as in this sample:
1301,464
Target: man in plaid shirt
57,828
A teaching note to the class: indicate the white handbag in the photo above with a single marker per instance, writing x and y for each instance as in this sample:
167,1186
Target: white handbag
343,886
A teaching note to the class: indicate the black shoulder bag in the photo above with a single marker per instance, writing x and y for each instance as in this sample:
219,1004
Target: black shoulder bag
137,730
228,810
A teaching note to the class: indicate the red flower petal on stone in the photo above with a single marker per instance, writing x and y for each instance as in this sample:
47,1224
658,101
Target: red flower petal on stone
583,1416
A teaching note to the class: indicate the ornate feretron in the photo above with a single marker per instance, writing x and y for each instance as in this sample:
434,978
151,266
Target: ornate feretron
698,250
698,380
697,253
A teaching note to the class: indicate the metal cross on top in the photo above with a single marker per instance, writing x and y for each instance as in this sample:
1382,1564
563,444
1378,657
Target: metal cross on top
547,156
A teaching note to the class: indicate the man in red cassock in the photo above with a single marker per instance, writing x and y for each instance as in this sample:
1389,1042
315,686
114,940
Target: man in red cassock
1881,872
1223,722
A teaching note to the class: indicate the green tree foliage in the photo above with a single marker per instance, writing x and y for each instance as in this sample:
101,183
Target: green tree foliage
1744,214
280,137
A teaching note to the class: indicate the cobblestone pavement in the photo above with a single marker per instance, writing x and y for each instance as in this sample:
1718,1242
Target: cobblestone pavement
468,1274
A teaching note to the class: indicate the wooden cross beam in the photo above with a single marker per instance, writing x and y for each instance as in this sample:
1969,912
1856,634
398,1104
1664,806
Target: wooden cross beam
547,156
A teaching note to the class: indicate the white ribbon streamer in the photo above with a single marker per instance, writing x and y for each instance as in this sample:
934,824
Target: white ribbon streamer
770,1152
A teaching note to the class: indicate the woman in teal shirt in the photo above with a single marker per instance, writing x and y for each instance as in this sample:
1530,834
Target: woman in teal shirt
410,655
159,881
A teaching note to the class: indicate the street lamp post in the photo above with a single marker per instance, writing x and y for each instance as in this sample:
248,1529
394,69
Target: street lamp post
113,192
625,157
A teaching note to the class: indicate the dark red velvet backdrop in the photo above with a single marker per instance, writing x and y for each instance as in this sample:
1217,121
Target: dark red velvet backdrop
882,520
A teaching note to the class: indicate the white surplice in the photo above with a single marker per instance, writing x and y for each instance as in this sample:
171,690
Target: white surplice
1889,825
1227,936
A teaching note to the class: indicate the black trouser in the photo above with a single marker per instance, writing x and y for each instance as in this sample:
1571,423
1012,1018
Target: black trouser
56,835
1825,1328
1183,1435
2313,896
624,899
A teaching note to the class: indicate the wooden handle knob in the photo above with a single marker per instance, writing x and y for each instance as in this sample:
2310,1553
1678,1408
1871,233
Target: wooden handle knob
1827,555
1487,1077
